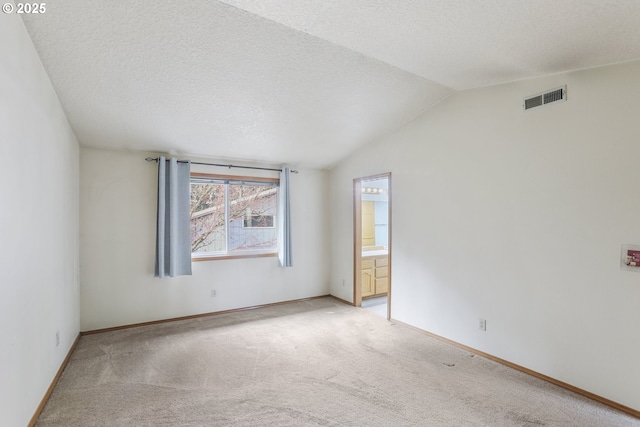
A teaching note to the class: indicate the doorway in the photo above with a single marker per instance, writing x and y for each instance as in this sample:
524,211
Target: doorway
372,243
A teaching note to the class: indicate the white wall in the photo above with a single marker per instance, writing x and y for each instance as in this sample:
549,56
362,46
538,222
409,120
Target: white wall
39,292
521,218
118,205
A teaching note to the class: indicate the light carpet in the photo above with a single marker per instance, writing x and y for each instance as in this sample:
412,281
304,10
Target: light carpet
309,363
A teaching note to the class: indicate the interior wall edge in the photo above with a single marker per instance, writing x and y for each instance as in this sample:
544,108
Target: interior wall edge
197,316
54,382
566,386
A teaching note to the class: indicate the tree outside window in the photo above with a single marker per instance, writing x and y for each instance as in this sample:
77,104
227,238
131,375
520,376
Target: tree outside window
230,216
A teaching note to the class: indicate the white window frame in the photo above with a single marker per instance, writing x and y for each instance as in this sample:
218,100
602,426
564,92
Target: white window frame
227,180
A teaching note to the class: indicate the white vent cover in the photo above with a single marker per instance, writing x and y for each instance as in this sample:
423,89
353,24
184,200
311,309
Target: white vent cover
544,98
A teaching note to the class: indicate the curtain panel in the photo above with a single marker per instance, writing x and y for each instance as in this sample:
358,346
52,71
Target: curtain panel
284,219
173,239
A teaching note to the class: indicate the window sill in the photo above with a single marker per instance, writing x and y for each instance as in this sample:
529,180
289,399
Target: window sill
237,256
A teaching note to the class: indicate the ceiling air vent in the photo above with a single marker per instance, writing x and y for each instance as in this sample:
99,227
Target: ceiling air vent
544,98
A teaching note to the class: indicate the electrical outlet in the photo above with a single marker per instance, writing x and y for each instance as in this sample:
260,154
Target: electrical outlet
343,283
213,293
57,338
482,324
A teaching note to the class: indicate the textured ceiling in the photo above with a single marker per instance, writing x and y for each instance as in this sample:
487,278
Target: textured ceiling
469,43
303,82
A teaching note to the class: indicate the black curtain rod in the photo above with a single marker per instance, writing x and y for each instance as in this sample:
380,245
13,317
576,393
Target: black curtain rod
156,159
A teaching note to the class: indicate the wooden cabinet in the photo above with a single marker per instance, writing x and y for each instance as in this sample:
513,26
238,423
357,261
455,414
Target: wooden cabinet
368,277
368,224
382,275
375,275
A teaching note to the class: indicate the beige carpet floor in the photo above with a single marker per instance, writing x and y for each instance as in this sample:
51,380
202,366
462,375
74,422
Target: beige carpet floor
311,363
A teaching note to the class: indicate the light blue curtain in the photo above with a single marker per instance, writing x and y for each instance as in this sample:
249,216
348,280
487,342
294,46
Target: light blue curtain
173,239
284,219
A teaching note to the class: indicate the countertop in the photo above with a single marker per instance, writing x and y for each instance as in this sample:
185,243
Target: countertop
375,253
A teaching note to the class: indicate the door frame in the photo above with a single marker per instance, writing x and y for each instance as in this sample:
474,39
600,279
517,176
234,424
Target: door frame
357,237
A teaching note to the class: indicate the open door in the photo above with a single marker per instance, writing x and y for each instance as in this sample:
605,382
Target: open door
372,240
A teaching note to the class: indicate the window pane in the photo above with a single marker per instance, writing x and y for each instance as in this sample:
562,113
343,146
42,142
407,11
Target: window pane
254,221
207,217
252,210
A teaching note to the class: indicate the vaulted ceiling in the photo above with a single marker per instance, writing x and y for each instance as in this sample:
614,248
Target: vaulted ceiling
301,82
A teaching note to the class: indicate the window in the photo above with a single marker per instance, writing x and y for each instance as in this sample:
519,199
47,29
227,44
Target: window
258,221
233,216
